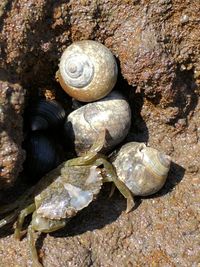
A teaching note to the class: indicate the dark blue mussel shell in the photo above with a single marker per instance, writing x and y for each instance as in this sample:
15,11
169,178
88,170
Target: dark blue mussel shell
45,114
42,155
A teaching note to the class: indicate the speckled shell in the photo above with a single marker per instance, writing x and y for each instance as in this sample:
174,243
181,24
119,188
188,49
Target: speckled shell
143,169
84,124
73,189
87,70
45,114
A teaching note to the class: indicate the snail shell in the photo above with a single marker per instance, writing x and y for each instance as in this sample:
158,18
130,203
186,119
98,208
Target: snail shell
143,169
41,155
84,124
87,70
46,114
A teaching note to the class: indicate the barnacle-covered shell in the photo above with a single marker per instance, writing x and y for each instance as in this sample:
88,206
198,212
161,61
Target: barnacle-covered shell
111,113
45,114
143,169
41,155
87,70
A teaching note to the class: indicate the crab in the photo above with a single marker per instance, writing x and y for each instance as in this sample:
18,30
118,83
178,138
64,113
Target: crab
63,192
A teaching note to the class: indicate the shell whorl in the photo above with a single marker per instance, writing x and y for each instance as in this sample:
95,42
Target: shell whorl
155,161
83,125
77,69
87,71
143,169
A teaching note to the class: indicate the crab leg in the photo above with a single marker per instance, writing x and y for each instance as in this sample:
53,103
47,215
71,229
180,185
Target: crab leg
25,212
112,190
111,176
33,250
91,155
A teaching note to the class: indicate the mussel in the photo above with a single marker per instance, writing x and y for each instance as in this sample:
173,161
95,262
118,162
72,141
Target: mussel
43,154
45,114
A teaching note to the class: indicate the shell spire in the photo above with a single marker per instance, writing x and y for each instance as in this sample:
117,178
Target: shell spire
143,169
87,71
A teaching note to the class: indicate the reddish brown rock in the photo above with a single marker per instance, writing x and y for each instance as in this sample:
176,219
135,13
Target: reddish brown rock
157,44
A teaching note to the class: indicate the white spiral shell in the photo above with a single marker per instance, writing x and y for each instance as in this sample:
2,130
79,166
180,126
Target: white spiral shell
87,70
77,70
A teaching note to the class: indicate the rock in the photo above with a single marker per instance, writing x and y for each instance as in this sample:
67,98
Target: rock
157,44
11,136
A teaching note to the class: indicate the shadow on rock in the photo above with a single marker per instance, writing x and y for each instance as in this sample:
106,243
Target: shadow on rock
186,97
101,212
39,243
6,230
138,130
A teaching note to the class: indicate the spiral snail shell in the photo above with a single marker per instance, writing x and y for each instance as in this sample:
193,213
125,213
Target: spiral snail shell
143,169
84,124
87,70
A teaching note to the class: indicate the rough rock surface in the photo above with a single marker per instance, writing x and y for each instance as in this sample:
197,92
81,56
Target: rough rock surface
11,135
157,44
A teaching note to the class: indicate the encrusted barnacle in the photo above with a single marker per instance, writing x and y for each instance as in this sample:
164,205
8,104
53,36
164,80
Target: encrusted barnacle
87,70
45,114
63,192
84,124
143,169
